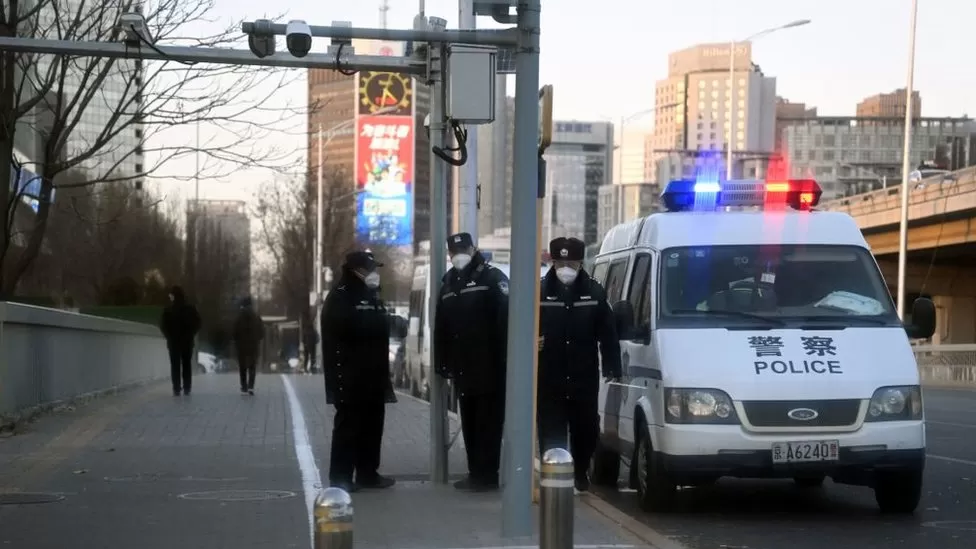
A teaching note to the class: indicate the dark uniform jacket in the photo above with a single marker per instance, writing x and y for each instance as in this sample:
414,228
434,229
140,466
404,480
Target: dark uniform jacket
356,343
577,328
248,332
471,327
180,322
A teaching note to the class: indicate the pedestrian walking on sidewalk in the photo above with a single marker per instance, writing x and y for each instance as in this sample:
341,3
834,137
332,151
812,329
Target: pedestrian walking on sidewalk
180,323
248,333
576,330
356,363
470,347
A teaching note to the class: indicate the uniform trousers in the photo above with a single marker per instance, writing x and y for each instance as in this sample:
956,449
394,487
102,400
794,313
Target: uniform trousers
181,367
579,417
482,424
357,439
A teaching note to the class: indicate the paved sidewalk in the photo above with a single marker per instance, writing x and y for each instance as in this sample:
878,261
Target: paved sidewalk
218,469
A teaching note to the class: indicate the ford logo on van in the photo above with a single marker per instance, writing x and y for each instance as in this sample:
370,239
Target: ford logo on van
802,414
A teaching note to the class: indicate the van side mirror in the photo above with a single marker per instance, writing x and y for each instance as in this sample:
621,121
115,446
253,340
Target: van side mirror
623,316
923,319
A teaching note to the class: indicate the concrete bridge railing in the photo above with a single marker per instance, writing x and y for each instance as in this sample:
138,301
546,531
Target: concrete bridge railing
947,365
49,356
933,196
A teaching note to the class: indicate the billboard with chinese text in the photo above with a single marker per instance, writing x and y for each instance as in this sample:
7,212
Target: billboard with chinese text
384,179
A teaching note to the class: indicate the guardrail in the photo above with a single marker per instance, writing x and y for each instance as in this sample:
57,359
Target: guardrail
947,365
51,356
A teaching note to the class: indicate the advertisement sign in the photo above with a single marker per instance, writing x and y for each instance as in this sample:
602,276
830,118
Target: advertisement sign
384,179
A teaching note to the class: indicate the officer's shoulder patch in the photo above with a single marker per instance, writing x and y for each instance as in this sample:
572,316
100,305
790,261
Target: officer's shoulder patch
503,287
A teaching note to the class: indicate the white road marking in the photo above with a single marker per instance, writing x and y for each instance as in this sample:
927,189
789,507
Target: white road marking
311,482
952,459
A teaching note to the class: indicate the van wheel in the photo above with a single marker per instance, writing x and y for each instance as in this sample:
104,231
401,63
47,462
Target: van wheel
656,491
809,481
605,467
898,492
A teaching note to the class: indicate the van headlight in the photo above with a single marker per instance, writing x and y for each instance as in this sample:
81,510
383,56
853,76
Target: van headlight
896,404
710,406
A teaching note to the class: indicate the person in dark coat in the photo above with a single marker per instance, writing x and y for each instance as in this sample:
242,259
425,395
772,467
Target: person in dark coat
180,323
356,362
576,330
470,347
248,333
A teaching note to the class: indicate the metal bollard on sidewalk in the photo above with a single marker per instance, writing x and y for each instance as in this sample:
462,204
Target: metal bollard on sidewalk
333,519
557,483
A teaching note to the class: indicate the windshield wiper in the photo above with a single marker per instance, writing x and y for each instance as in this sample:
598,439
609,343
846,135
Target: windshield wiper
842,321
739,314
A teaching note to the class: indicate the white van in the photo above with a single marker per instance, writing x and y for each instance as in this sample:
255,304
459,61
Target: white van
758,340
417,372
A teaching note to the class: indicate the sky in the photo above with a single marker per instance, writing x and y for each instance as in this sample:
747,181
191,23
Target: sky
603,58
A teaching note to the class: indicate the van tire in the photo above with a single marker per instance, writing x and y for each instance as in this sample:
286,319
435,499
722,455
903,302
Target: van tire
899,491
656,491
605,467
809,481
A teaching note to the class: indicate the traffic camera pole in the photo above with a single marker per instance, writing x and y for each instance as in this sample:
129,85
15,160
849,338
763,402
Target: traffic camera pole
467,187
520,389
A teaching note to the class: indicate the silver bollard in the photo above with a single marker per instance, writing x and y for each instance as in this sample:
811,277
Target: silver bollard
556,483
333,519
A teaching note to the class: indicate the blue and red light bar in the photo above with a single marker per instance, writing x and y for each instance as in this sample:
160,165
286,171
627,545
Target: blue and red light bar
689,194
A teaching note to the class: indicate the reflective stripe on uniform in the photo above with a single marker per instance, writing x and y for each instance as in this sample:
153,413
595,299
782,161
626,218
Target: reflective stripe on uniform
473,289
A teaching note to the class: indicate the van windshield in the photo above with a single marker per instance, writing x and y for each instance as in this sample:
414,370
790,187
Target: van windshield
782,285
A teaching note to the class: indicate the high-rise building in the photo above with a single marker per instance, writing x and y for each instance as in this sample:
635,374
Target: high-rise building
694,106
786,112
495,165
631,149
625,202
578,162
229,220
890,105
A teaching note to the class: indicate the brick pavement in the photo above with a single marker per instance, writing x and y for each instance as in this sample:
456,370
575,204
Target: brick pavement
218,469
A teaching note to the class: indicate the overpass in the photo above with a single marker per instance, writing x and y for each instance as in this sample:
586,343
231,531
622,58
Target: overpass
941,245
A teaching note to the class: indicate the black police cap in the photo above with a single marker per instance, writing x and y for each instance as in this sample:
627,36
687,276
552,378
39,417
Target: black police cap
459,241
361,260
567,249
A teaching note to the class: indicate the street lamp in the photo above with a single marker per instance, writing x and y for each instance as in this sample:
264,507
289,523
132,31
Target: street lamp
732,99
905,165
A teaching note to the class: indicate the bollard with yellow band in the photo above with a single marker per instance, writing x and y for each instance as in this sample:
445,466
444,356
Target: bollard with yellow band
556,483
333,519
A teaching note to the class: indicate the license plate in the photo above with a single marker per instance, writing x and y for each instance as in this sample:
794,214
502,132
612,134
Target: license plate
804,452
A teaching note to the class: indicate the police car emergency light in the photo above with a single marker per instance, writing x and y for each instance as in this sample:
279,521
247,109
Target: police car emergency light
689,194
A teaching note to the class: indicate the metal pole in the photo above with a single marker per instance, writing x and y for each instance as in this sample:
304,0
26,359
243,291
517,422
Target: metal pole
333,519
468,173
906,166
500,139
731,125
556,513
523,315
437,266
196,175
318,221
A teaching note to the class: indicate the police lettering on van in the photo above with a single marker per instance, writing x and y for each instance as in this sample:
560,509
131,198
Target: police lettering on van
767,347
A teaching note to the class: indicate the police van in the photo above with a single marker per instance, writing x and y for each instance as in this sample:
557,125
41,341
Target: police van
415,377
758,340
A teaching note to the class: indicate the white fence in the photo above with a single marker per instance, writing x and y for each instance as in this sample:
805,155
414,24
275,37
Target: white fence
947,365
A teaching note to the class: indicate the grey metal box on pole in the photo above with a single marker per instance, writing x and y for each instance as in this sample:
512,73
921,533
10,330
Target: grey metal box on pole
471,95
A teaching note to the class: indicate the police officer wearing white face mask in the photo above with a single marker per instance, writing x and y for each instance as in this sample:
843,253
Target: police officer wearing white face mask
470,336
576,331
356,328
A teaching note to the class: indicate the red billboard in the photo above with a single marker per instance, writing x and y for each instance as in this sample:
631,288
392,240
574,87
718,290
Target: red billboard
384,179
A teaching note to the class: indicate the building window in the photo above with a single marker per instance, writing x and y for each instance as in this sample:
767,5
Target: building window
701,83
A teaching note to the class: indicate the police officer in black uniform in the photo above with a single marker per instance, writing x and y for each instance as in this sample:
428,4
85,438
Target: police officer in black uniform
576,329
470,336
356,362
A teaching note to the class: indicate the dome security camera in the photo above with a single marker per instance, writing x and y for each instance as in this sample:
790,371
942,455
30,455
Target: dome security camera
298,38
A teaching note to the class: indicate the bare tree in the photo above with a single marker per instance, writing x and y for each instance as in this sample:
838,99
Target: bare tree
84,114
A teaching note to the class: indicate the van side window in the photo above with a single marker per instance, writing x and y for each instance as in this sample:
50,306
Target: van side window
639,293
600,273
615,280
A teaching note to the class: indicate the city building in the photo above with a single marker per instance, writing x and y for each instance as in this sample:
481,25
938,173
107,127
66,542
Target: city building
694,106
787,111
626,202
495,165
890,105
848,155
630,150
339,104
578,163
229,220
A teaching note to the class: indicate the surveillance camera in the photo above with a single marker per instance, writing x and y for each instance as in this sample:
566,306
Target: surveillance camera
298,38
133,25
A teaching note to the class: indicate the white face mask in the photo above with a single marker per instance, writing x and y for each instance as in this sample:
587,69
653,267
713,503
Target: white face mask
372,280
566,275
460,261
